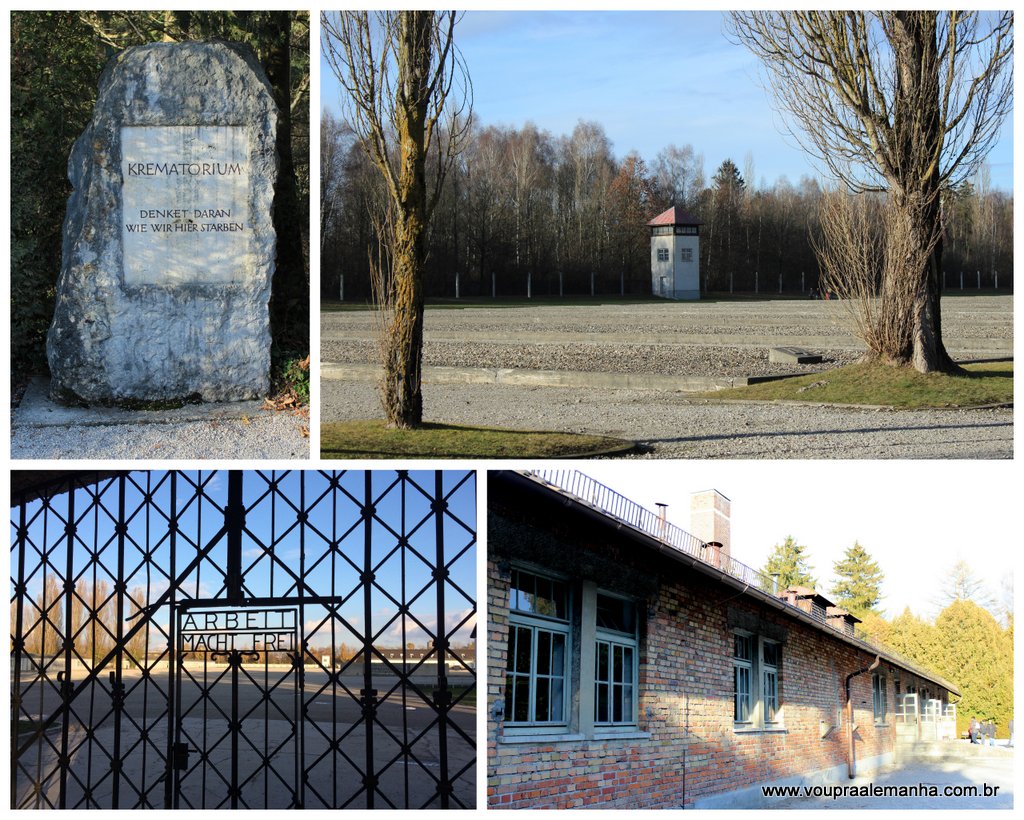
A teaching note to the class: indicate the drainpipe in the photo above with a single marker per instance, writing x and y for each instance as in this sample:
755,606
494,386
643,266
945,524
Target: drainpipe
850,757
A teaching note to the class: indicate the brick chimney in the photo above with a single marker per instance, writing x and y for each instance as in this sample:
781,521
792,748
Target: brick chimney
709,519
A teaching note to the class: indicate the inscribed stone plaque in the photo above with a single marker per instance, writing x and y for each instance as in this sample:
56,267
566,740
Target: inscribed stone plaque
185,204
169,240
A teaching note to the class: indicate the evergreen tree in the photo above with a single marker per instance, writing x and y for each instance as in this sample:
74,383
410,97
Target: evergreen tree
974,652
858,585
790,564
913,638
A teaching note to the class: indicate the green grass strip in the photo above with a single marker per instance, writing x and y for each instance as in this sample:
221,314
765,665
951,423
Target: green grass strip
880,384
372,439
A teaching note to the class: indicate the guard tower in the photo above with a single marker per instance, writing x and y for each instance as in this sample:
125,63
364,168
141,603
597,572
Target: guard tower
675,255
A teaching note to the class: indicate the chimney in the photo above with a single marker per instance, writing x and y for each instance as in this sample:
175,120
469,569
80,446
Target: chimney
662,518
709,520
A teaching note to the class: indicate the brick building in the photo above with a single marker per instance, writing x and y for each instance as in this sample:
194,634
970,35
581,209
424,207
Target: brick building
633,665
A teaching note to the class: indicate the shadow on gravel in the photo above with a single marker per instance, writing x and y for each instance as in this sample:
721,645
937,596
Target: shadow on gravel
806,433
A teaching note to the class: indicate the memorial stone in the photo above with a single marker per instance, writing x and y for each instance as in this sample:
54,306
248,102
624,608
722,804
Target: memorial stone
168,239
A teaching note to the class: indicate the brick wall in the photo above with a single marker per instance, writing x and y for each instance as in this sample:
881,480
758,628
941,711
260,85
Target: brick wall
685,699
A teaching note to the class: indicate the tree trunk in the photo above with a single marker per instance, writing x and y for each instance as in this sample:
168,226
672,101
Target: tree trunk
912,286
403,398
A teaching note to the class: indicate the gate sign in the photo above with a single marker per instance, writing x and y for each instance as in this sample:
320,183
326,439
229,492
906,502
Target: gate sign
247,630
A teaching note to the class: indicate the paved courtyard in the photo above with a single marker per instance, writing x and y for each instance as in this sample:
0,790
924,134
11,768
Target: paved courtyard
972,781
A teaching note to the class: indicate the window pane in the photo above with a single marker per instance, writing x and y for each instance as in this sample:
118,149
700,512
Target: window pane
601,703
627,661
510,685
543,709
627,703
770,695
741,678
742,647
557,700
616,614
602,662
558,655
771,654
617,704
543,652
522,650
521,700
617,663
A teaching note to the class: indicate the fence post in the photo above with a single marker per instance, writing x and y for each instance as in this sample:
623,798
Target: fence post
730,281
757,285
803,288
780,284
995,276
591,283
341,287
456,284
979,280
559,284
529,284
494,286
961,280
622,283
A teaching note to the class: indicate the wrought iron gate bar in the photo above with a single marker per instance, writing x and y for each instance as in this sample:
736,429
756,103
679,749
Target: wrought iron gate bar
111,710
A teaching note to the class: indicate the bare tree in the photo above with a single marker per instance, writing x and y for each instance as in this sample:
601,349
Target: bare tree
407,92
903,101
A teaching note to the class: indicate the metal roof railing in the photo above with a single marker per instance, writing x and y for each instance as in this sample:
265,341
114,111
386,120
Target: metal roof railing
604,499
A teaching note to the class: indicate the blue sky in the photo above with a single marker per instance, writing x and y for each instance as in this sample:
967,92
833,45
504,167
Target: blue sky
916,521
650,78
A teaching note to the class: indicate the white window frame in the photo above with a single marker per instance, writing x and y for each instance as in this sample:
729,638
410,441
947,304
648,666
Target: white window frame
686,254
879,699
623,641
534,624
663,255
759,673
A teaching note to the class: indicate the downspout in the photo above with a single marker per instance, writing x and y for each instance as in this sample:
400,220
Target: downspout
850,755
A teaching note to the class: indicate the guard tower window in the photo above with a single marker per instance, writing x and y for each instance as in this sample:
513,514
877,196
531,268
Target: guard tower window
663,254
687,254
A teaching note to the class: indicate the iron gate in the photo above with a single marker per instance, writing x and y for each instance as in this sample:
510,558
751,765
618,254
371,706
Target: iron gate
229,639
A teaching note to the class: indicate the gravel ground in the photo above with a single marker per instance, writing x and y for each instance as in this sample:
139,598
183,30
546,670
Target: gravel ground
668,360
963,318
670,426
679,339
264,436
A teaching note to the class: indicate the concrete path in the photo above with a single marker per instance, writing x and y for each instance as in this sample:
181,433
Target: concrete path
966,781
42,429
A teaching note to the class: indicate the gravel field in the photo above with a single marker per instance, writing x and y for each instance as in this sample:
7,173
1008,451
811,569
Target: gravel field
688,338
668,360
668,425
684,339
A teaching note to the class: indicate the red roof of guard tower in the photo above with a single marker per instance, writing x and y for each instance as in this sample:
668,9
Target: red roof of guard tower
674,216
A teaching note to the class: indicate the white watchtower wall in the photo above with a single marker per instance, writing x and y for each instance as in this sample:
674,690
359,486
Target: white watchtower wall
675,274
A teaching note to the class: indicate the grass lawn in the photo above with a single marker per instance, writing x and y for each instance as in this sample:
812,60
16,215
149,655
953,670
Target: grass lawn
879,384
372,439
